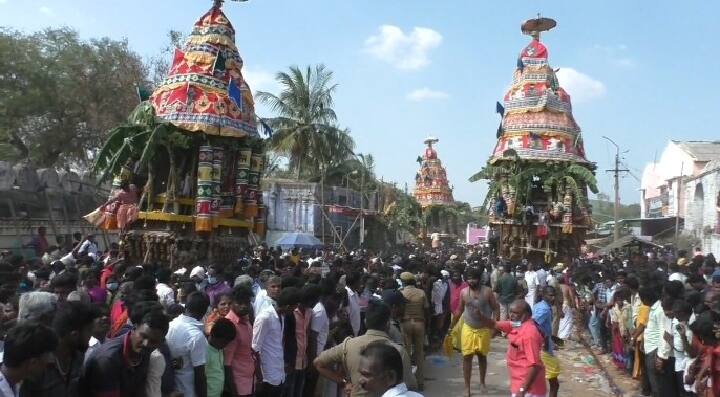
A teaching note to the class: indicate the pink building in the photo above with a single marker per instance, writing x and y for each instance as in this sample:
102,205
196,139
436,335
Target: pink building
660,192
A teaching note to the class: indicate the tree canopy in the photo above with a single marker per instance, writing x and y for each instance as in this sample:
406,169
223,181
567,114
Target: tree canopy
59,94
305,124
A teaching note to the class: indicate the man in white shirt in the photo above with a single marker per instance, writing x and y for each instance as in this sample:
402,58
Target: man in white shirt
265,298
166,295
267,341
89,246
352,282
381,371
532,282
319,330
188,346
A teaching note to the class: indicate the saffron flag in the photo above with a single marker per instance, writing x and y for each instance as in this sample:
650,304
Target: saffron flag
235,94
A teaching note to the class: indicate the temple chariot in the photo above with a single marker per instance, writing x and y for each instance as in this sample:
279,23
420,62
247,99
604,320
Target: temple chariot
539,176
186,167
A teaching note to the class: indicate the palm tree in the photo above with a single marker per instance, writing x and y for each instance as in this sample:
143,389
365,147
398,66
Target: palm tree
305,127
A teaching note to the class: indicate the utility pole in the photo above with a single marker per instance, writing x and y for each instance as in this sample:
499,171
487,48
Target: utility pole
616,171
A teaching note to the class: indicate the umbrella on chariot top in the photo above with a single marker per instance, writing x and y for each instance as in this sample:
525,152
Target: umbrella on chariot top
299,240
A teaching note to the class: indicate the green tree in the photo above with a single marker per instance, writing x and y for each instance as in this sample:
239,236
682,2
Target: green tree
60,94
305,127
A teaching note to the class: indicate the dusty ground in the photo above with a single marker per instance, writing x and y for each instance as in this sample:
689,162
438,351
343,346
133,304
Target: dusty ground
580,374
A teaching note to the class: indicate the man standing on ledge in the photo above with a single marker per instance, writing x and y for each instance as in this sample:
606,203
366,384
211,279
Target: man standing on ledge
476,302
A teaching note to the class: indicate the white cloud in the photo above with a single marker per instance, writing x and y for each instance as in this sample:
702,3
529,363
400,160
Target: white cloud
259,79
407,51
425,94
45,10
616,55
581,87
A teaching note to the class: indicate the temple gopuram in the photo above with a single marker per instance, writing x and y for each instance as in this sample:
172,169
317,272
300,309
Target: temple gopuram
434,194
186,167
539,175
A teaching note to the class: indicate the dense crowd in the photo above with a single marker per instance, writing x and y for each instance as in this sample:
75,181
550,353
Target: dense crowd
81,322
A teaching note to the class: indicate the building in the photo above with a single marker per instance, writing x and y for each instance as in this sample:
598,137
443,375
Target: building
31,198
295,206
703,206
660,192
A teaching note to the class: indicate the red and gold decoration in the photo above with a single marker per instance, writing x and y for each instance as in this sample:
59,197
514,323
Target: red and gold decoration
201,176
539,175
205,90
431,183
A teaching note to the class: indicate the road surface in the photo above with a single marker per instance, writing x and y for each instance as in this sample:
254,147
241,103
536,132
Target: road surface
580,374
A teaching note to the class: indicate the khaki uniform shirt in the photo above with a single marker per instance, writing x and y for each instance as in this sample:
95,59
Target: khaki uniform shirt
347,354
417,303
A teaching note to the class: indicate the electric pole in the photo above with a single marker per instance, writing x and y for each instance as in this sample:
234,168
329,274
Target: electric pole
616,171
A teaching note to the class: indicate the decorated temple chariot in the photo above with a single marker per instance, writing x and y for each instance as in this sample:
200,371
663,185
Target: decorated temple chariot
435,196
539,175
186,166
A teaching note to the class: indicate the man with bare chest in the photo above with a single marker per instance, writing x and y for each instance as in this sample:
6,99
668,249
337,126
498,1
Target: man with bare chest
476,302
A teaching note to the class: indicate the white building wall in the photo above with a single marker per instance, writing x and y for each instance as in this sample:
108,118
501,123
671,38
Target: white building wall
671,162
702,217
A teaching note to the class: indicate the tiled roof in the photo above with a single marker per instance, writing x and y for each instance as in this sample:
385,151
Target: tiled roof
701,150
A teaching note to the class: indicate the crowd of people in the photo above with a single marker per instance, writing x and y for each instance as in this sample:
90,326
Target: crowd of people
84,322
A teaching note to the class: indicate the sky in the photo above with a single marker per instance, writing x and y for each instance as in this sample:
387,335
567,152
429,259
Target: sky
641,73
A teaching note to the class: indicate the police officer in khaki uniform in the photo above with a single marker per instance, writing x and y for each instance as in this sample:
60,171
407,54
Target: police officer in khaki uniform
330,363
414,323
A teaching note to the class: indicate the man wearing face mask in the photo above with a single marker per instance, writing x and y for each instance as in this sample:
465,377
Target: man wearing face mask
525,366
120,366
238,355
73,325
216,284
475,337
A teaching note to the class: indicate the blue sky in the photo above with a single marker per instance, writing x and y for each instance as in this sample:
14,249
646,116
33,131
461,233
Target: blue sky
639,72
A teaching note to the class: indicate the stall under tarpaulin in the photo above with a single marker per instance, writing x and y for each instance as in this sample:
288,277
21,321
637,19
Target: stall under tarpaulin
628,243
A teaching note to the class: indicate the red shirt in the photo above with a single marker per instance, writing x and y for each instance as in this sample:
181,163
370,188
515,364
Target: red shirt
524,347
455,291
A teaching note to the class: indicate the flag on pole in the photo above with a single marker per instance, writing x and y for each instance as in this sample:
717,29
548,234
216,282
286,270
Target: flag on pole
235,94
499,109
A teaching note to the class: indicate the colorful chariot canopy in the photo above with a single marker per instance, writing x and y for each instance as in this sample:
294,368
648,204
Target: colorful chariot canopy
431,182
537,119
204,90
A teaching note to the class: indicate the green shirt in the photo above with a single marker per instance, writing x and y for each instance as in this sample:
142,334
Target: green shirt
214,372
506,288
